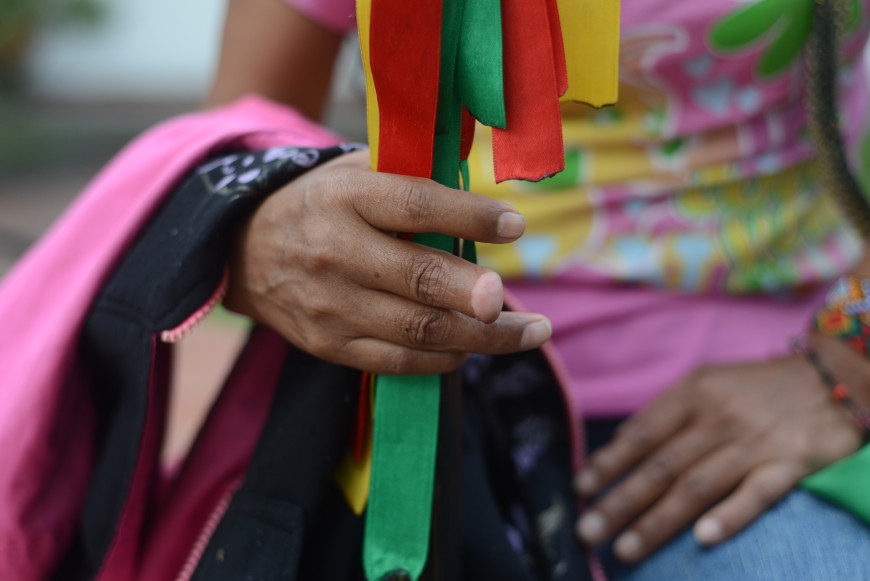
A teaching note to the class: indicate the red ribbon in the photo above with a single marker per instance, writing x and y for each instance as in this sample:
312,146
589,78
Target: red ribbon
531,146
405,62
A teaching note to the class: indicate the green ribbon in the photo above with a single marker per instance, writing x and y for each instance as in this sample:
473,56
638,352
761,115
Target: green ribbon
406,416
404,443
844,483
480,67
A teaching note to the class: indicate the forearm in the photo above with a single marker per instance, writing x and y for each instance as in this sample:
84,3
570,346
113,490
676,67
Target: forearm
271,49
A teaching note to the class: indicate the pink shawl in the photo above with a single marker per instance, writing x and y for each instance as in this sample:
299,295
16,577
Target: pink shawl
46,424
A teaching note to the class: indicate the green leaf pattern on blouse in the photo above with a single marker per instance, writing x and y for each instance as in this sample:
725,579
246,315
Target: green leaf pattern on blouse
781,27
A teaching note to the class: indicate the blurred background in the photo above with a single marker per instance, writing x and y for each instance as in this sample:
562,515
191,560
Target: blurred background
79,79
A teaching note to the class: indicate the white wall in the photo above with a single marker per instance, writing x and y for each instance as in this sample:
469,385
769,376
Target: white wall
145,50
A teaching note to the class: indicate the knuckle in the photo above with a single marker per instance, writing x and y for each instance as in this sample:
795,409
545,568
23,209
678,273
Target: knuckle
426,329
418,203
697,488
317,309
428,277
317,258
660,469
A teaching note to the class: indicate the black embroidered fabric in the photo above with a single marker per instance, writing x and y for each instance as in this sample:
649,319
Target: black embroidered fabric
517,441
171,270
288,521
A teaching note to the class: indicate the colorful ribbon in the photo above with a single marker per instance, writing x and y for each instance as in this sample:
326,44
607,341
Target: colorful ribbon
432,68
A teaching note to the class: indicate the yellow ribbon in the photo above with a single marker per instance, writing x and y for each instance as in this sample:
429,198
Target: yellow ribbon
590,33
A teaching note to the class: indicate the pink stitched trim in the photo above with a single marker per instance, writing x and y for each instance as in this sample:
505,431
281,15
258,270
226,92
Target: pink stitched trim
182,330
205,535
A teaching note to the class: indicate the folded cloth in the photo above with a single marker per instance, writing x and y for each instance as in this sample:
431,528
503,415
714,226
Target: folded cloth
46,423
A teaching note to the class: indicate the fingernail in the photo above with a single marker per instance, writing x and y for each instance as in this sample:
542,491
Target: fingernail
511,225
487,297
535,334
629,546
587,481
708,531
592,527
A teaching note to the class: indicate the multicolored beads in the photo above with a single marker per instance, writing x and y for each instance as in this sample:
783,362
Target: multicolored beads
846,314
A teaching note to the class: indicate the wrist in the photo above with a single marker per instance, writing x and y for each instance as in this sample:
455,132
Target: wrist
844,371
840,333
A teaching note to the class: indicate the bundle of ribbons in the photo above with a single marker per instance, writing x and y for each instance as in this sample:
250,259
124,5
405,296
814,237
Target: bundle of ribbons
433,69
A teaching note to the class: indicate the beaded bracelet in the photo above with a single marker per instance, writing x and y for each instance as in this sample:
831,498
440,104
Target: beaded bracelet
840,392
846,314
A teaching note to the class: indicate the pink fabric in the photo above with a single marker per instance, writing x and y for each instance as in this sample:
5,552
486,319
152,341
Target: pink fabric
46,426
622,345
121,561
216,464
336,15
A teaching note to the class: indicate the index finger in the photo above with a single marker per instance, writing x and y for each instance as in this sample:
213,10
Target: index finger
408,204
634,440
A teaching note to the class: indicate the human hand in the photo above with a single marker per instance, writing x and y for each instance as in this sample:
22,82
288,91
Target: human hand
725,445
319,262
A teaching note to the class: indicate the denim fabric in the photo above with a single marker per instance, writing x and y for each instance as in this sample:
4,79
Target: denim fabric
803,538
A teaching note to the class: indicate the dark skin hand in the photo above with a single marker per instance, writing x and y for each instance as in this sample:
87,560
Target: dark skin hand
319,262
718,450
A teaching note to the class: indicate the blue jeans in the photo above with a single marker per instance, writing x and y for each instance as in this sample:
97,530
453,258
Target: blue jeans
802,538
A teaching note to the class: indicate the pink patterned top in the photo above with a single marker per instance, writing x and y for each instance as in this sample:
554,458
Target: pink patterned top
689,227
337,15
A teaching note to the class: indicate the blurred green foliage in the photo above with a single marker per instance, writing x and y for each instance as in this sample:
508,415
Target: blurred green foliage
20,19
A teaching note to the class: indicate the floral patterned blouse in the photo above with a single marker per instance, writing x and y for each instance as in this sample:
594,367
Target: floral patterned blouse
701,178
690,213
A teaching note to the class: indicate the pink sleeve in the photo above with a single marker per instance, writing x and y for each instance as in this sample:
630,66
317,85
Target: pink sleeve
337,15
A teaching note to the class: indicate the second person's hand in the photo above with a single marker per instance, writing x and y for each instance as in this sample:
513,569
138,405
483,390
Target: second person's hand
717,450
